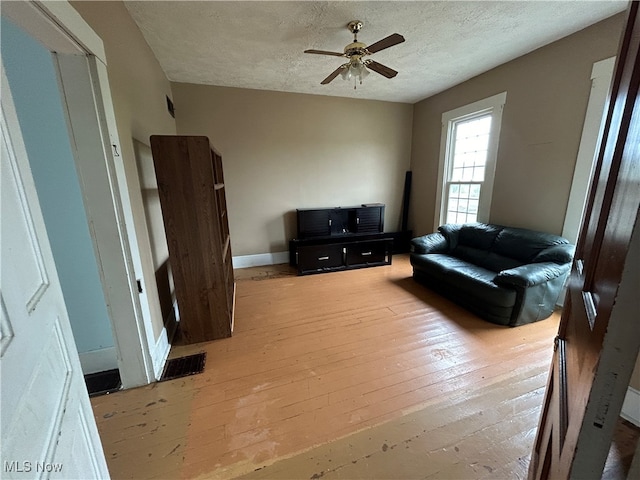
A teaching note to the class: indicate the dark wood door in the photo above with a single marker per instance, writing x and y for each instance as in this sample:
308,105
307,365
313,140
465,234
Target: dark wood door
599,334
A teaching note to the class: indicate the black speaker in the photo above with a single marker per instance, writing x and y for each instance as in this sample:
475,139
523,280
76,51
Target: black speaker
405,200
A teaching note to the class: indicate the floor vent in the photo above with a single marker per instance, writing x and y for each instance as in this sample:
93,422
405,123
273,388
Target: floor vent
184,366
101,383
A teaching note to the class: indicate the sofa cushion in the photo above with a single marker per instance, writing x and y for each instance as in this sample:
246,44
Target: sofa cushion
450,232
469,279
438,264
485,259
478,235
478,282
524,245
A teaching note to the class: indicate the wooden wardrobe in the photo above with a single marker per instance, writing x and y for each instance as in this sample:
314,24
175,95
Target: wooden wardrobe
194,210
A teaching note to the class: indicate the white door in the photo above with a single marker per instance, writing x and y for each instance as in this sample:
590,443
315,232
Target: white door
47,426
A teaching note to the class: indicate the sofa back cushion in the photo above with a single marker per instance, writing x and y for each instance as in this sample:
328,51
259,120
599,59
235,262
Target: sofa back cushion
450,232
524,245
478,235
475,235
472,242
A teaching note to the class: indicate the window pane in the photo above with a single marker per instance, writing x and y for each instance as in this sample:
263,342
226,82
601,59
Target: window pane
474,191
478,174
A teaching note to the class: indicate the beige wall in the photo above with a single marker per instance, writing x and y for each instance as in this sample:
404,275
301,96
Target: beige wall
547,95
283,151
138,87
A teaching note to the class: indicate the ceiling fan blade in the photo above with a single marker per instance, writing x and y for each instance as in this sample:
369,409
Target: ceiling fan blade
323,52
381,69
390,41
333,75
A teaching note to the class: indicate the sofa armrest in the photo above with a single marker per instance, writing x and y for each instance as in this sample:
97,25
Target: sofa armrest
557,254
431,243
530,274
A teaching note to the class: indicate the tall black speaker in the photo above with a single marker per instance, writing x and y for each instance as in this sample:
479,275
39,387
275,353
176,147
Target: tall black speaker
405,200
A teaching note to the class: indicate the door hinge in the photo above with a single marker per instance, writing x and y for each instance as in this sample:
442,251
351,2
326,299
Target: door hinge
139,286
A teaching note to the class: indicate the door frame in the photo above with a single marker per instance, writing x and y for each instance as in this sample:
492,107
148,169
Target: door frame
81,62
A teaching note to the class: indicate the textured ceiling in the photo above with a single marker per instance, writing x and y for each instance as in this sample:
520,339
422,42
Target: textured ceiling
259,44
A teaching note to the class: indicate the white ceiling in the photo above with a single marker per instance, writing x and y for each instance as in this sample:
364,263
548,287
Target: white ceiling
260,44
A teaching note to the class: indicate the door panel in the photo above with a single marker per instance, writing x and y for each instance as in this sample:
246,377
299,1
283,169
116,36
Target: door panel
597,342
46,416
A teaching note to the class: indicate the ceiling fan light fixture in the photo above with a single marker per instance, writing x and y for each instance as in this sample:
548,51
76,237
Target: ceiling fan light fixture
356,70
346,73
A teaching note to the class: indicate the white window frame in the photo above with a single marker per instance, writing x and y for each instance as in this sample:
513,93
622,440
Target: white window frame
493,105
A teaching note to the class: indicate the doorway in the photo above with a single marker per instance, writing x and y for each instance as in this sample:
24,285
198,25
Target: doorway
31,72
81,81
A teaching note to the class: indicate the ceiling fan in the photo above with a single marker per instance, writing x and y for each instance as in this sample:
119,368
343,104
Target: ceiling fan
357,67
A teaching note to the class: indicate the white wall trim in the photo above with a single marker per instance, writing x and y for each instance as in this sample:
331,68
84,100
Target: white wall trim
99,360
160,353
72,24
631,406
601,75
163,344
260,259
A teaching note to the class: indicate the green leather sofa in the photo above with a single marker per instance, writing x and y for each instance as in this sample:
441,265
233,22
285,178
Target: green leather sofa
508,276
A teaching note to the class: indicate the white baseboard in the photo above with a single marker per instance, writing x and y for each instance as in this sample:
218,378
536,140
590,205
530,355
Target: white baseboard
631,406
99,360
160,353
163,345
260,259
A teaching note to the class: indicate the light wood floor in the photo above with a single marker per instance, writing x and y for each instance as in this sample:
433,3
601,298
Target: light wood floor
358,374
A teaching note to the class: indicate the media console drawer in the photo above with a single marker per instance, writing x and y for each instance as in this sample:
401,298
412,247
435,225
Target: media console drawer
320,258
374,252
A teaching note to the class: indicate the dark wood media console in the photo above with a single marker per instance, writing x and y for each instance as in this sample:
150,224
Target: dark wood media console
340,238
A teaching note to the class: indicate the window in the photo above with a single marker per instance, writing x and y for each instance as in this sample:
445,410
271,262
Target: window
467,161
